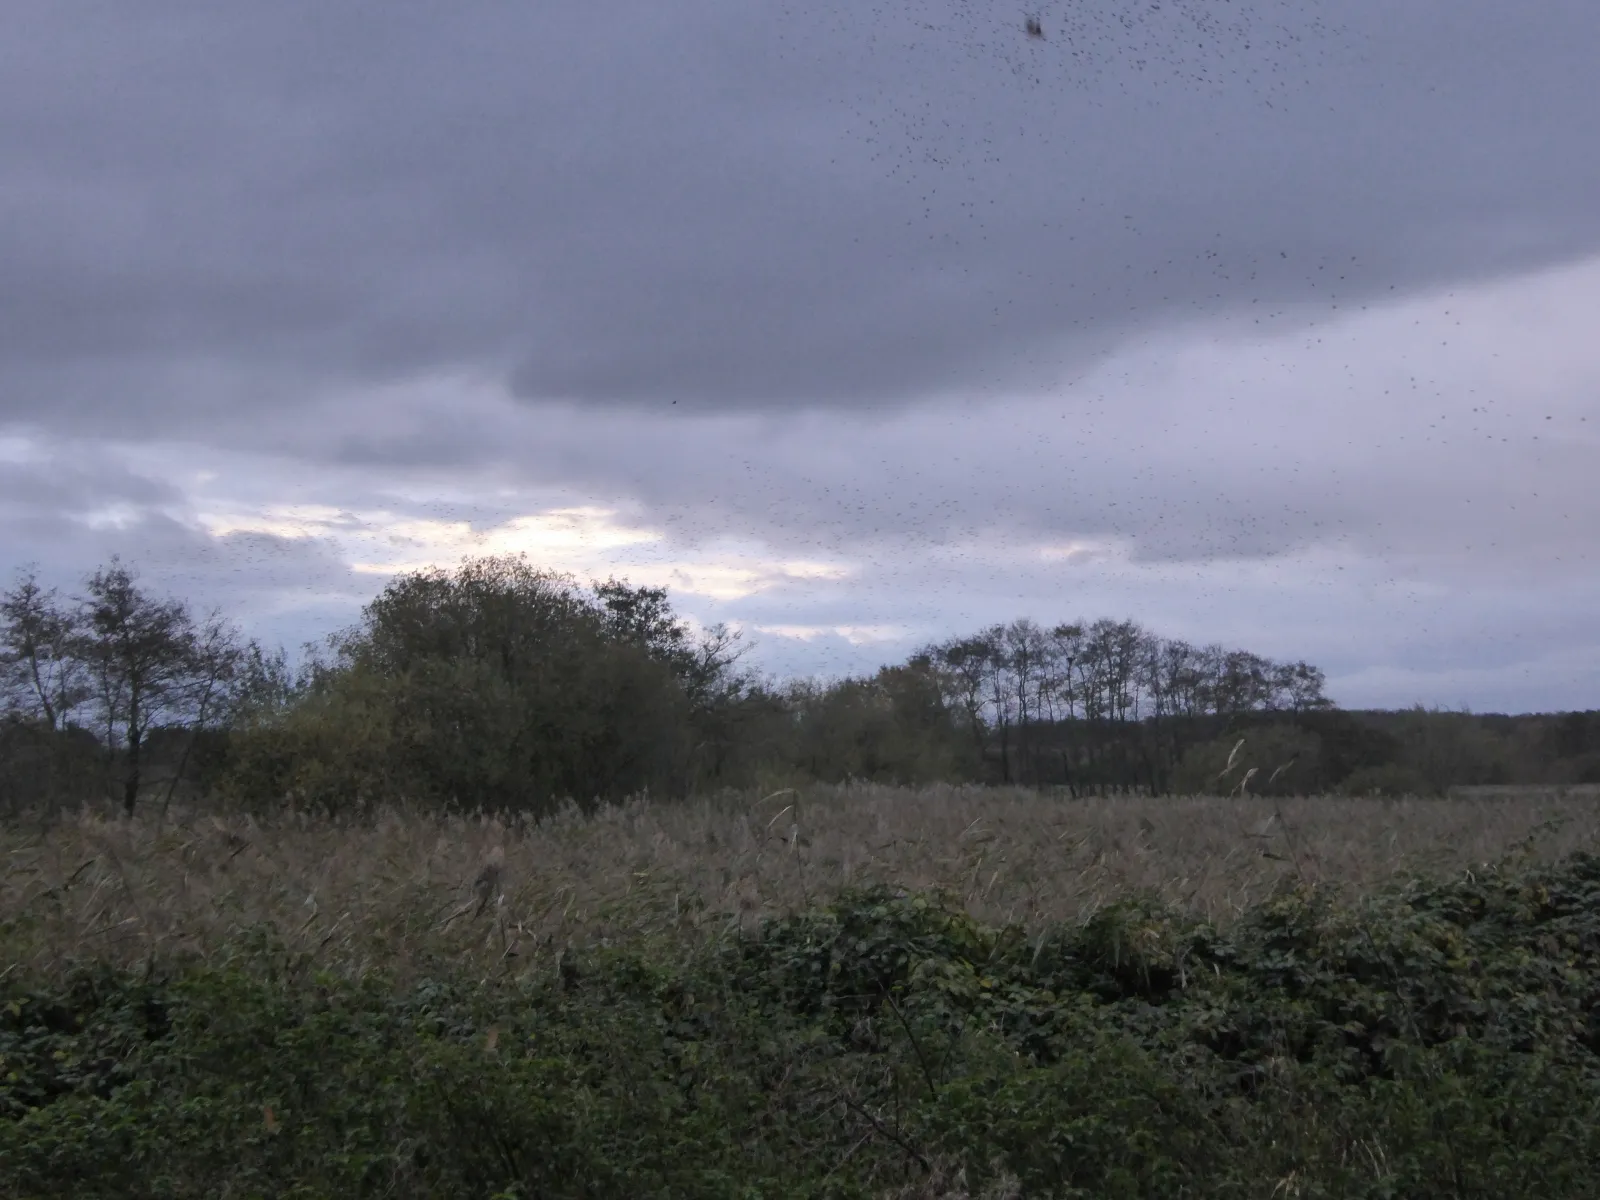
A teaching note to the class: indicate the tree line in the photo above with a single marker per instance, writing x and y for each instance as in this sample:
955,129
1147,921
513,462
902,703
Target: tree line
500,685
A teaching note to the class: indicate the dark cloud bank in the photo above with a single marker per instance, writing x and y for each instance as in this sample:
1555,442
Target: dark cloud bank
737,206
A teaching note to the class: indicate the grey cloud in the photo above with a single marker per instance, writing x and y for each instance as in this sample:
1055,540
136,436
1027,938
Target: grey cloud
1428,492
1393,623
1382,642
733,207
78,484
71,507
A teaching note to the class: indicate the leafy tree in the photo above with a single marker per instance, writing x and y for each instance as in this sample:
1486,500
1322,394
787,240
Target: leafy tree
42,676
504,686
1298,687
893,727
149,663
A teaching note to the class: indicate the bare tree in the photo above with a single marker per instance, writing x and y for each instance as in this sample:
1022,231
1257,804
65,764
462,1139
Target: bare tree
1065,660
1112,653
994,657
1180,672
1024,649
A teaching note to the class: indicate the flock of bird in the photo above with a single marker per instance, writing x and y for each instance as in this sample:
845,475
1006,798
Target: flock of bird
956,106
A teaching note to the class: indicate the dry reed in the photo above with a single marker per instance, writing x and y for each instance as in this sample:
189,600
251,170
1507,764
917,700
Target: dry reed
401,889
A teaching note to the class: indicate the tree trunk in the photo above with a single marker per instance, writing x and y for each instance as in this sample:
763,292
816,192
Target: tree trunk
130,781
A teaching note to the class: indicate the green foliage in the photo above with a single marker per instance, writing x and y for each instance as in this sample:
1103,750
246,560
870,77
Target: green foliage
1278,759
1349,742
1390,780
506,687
895,727
500,687
1449,748
1585,768
1437,1040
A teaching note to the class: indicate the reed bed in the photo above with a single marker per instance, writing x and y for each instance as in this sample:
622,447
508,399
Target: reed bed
400,889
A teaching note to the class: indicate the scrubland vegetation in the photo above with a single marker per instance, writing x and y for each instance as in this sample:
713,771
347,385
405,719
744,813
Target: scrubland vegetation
524,890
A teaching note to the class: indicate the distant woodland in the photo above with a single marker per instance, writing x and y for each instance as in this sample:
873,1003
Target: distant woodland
505,687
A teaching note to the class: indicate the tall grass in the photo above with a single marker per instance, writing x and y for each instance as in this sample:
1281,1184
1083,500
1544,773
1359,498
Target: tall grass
402,889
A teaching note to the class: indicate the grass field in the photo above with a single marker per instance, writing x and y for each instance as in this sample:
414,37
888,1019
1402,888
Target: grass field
836,992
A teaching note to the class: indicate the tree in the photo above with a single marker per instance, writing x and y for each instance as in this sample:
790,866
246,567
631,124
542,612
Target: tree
148,664
504,686
892,727
1299,688
1025,648
644,616
265,686
1065,664
223,676
42,676
965,667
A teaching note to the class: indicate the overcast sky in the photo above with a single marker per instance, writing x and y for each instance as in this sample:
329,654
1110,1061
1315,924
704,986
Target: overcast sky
1275,324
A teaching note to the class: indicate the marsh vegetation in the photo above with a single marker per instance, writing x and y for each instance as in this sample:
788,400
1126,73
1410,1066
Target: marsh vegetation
859,991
